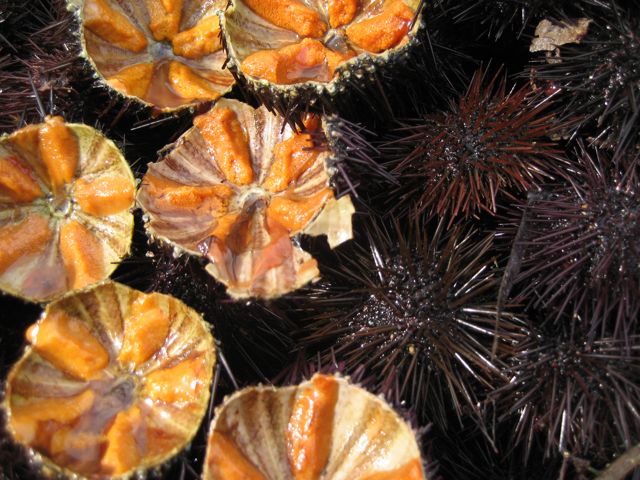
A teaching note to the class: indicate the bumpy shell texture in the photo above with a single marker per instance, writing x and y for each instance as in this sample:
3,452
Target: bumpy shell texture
236,188
323,429
292,51
114,382
65,198
166,53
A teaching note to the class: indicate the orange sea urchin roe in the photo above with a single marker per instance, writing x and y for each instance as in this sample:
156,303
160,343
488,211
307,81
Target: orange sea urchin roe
113,26
82,254
133,80
102,196
59,151
200,40
165,18
307,60
188,84
224,134
383,31
226,462
122,452
310,428
342,12
177,384
68,344
291,15
17,182
291,158
28,237
295,213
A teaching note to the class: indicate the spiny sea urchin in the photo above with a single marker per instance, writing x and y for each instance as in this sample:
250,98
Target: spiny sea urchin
581,239
416,310
492,142
581,394
599,77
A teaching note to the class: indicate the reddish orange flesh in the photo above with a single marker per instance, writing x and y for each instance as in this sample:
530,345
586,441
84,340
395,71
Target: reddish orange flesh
226,461
175,197
133,80
384,31
122,452
113,26
82,254
105,195
25,144
409,471
222,131
29,237
165,18
310,428
201,40
292,157
224,226
291,15
342,12
295,214
188,84
17,181
68,344
304,61
145,330
59,151
177,384
25,416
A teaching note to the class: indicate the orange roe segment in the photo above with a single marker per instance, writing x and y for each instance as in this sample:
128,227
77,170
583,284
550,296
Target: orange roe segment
188,84
28,237
310,428
409,471
123,452
133,80
24,416
291,15
59,151
68,344
224,226
307,60
226,461
105,195
82,254
165,18
201,40
291,158
17,181
342,12
179,384
145,330
170,196
384,31
113,26
223,132
295,214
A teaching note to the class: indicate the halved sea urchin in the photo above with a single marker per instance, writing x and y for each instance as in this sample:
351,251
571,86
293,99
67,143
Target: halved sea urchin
325,428
115,382
65,198
296,54
236,188
166,53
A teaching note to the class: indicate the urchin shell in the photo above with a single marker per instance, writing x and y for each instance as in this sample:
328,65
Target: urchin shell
107,367
356,76
362,435
65,197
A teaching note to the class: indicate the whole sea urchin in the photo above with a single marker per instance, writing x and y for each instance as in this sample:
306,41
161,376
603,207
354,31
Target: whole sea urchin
418,312
491,142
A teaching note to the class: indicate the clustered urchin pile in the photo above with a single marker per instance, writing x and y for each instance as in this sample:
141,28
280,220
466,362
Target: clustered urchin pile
492,287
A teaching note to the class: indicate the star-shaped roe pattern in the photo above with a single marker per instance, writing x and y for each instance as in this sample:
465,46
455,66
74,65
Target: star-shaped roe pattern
236,188
290,41
167,53
115,382
65,198
322,429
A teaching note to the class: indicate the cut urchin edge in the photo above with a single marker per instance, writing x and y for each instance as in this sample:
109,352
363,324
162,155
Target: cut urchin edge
296,56
237,188
66,194
164,53
581,240
324,428
577,395
492,144
114,382
416,309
